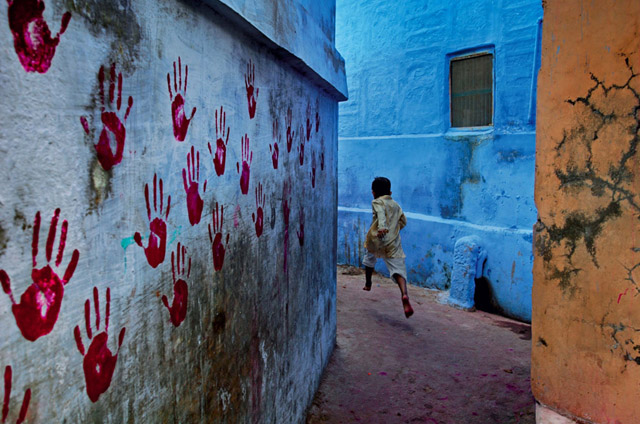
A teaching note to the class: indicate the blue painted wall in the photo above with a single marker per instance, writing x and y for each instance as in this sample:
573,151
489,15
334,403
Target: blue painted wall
450,182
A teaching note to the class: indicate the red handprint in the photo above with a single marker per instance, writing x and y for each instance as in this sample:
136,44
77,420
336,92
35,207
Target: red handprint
180,120
317,114
178,308
31,35
217,248
222,139
301,146
113,129
275,150
158,228
258,216
247,158
98,363
249,81
313,169
300,232
8,376
309,124
37,312
290,134
194,201
322,154
286,201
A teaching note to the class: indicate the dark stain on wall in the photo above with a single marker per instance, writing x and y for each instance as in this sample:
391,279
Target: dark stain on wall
598,111
353,247
509,155
470,175
630,271
219,322
3,240
19,220
463,172
580,227
620,331
115,18
611,183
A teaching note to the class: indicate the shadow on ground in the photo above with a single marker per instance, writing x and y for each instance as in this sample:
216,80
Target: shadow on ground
441,366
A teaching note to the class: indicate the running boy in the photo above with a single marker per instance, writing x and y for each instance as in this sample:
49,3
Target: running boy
383,239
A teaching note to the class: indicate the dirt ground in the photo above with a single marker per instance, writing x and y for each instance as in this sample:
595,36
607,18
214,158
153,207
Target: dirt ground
441,366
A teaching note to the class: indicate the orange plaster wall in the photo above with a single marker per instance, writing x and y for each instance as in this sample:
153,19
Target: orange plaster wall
586,291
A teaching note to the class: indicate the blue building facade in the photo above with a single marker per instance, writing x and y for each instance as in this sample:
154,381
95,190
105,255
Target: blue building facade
452,182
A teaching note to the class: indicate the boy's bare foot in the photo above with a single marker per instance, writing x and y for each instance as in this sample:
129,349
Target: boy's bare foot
408,310
367,287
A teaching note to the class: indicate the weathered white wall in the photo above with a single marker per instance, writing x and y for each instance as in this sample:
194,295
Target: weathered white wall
258,332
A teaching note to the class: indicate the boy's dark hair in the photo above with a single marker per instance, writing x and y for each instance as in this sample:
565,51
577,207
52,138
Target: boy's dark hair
381,186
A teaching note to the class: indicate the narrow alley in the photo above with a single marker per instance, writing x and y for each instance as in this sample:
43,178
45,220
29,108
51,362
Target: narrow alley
189,194
441,366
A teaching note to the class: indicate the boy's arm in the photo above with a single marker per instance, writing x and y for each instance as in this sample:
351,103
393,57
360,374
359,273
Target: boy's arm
378,209
402,221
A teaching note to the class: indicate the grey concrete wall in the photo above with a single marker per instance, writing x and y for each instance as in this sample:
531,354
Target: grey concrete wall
118,304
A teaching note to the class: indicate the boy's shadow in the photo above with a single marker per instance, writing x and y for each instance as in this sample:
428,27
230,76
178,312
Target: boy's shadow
399,323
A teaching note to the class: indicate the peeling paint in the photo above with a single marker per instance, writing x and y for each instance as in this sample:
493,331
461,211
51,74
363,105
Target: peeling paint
611,182
100,184
586,239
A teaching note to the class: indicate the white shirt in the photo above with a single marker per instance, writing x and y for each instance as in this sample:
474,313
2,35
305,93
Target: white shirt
387,215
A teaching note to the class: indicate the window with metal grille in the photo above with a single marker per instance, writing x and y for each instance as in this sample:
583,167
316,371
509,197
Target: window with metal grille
471,81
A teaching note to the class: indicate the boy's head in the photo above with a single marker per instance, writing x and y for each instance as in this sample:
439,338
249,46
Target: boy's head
380,186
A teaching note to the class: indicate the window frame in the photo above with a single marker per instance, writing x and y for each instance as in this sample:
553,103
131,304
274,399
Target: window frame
467,54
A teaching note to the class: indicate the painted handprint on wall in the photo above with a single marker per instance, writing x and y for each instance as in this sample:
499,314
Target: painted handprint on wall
286,210
275,150
215,236
39,306
99,362
309,124
249,83
313,169
300,232
8,377
247,158
181,267
222,139
322,154
317,114
301,146
31,35
190,178
258,216
157,245
179,118
290,132
110,147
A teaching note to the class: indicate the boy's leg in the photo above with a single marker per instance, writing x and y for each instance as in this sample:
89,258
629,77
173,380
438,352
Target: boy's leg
368,272
398,270
369,262
402,283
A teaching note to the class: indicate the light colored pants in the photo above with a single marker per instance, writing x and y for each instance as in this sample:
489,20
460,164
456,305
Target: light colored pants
394,265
